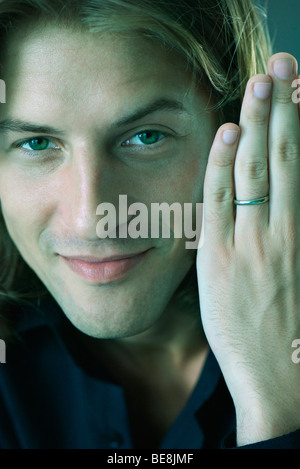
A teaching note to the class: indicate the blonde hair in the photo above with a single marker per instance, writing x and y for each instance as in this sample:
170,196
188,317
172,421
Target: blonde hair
224,42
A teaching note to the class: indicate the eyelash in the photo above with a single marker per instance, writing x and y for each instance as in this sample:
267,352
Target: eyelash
27,141
144,132
125,143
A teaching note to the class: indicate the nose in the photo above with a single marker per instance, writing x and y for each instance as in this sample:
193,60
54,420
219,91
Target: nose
87,182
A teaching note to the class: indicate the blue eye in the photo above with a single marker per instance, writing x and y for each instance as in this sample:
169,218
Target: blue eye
148,137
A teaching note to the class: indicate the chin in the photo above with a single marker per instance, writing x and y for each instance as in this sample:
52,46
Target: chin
114,319
117,326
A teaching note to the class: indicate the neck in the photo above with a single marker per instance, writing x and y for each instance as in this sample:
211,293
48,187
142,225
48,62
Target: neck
177,337
178,332
158,369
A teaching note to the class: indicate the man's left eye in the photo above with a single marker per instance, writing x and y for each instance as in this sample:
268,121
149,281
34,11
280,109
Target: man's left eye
148,137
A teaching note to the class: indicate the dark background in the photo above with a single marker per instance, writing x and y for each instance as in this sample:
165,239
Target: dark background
284,24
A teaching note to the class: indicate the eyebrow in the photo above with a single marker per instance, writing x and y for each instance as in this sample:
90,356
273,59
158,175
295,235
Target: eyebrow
163,104
14,125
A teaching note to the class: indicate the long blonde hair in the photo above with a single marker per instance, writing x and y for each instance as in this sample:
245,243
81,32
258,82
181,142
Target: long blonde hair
224,42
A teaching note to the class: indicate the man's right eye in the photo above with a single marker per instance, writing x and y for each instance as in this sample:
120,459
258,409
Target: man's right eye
36,144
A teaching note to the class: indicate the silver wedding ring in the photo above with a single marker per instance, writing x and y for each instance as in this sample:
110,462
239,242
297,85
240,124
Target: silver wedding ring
261,200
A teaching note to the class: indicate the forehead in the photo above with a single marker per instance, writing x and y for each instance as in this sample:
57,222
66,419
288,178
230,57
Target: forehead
60,66
59,49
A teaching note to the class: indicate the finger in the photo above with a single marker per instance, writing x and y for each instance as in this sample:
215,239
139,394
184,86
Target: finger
218,190
284,140
251,165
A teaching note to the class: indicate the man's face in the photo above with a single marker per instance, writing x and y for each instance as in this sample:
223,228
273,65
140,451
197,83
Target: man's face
122,117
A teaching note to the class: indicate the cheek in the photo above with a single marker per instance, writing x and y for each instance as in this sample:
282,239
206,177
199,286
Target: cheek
189,183
24,206
183,183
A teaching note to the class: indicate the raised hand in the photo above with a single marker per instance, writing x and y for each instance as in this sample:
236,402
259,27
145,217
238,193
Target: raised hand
249,264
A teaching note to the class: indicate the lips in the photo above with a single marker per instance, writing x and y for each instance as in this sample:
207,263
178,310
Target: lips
103,270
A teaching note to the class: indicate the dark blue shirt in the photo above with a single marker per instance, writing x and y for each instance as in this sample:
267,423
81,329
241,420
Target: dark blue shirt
53,394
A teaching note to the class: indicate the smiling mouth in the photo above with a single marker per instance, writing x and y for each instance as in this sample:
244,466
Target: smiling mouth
104,270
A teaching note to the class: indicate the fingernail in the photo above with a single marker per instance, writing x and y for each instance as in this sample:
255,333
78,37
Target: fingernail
262,90
283,68
230,136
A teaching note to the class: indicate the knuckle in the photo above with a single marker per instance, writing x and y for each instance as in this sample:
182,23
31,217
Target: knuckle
222,194
287,150
257,118
222,160
256,169
284,97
